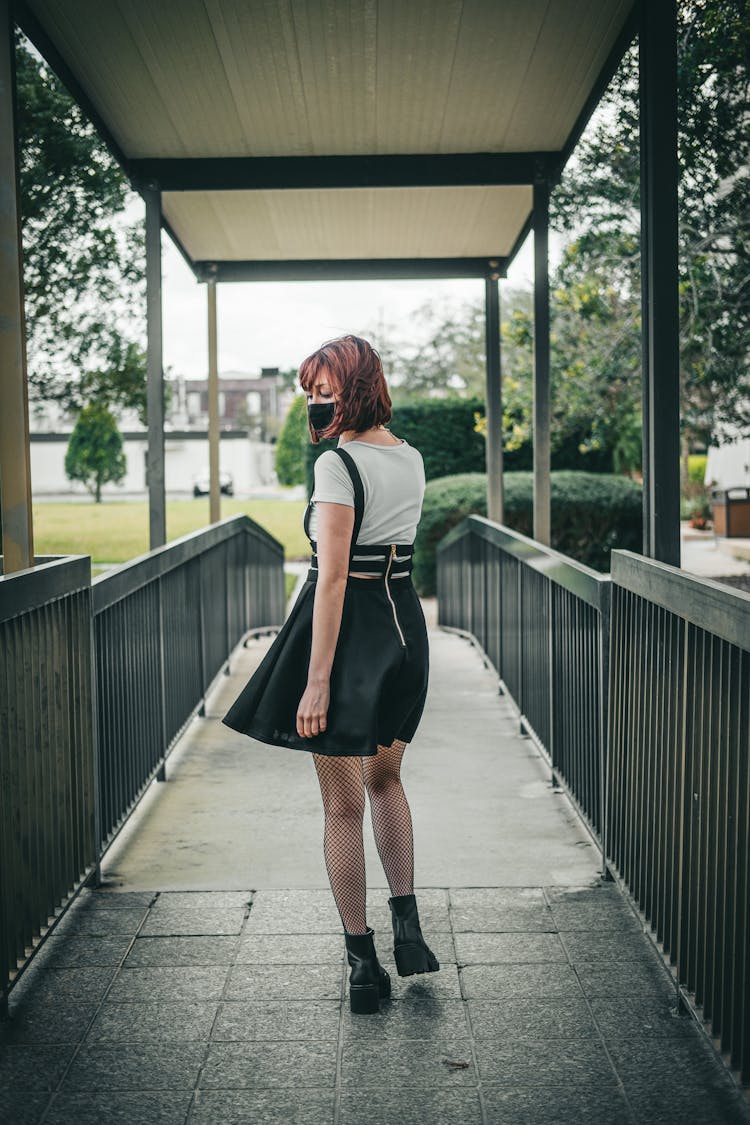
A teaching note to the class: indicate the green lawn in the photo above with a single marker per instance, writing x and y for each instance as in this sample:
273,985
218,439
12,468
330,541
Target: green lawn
117,530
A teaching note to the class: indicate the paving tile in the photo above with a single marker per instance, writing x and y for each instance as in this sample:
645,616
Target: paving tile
686,1103
40,1020
33,1067
647,1016
277,1019
284,982
119,1107
415,1018
202,900
590,945
150,1022
301,1106
85,984
604,917
654,1060
544,1062
183,982
135,1066
555,1105
500,909
201,920
290,949
498,948
237,1065
70,951
214,949
426,1062
116,900
512,979
626,979
594,892
294,912
100,921
510,919
22,1107
518,1017
443,984
410,1106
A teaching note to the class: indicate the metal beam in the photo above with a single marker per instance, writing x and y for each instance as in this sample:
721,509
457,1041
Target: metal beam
15,468
542,514
659,284
493,401
155,376
349,269
255,173
214,494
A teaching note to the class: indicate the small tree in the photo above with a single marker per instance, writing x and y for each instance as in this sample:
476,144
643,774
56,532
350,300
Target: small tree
95,453
291,443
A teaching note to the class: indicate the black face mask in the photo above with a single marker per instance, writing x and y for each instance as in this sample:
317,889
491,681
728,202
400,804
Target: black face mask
320,414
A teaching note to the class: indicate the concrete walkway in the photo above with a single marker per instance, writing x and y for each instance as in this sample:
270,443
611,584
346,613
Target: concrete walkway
205,981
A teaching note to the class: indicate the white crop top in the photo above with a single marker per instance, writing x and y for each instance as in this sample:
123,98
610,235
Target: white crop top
393,480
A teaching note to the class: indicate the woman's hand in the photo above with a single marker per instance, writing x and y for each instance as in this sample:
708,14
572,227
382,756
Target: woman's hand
313,708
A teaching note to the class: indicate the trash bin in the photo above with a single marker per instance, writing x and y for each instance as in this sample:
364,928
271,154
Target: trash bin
731,511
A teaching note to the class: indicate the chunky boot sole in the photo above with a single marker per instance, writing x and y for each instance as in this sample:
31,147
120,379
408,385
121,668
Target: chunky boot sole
364,998
413,958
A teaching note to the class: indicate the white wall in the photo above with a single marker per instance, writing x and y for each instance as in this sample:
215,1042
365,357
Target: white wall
249,462
729,464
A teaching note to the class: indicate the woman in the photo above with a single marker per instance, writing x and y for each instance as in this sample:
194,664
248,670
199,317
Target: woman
346,676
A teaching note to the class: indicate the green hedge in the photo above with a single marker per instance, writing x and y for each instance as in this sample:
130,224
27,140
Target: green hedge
591,514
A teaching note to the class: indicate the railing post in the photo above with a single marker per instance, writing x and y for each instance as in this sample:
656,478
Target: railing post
161,774
202,632
605,640
96,748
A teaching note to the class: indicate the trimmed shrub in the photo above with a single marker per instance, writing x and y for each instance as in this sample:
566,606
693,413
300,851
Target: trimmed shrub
290,453
591,514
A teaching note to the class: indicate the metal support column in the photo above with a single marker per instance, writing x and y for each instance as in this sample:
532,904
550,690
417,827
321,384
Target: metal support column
542,519
214,502
657,46
493,399
155,376
15,466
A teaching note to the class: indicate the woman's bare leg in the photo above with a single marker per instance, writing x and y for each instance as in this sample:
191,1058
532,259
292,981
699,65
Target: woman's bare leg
343,792
391,816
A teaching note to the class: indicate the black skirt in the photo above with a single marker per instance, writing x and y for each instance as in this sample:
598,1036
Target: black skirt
380,669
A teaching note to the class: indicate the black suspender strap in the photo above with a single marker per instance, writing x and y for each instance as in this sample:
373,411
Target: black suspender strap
359,495
359,499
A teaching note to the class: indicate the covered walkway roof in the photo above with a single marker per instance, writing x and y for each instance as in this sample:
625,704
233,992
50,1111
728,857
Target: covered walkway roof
307,139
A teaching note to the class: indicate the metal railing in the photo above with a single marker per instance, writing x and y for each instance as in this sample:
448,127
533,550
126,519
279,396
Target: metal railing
165,624
48,831
679,779
637,689
543,620
98,681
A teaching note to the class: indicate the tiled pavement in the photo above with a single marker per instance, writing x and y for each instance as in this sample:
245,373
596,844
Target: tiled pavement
219,1007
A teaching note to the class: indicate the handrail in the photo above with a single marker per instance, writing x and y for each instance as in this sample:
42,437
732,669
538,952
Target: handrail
701,601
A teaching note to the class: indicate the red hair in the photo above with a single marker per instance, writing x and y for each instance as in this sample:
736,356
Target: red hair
356,375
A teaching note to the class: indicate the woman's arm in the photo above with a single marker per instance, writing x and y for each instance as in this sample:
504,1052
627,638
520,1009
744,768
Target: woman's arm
335,523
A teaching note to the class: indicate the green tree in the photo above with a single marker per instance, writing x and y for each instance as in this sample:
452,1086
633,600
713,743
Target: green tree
290,445
83,264
95,452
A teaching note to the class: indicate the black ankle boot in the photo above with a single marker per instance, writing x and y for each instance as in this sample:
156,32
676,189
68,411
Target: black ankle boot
410,950
369,983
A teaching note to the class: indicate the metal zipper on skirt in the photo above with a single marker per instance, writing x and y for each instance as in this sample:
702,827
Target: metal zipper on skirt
388,592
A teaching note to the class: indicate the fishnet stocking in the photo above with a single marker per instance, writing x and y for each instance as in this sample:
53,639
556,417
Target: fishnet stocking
391,816
342,786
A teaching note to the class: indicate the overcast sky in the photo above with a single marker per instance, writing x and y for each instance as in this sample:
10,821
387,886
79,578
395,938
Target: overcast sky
276,324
